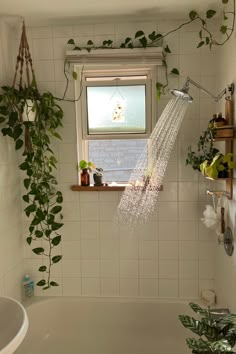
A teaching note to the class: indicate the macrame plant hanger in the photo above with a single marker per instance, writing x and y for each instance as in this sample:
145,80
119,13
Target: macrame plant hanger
24,65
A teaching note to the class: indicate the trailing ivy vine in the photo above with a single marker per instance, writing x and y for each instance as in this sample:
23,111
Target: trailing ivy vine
153,39
43,199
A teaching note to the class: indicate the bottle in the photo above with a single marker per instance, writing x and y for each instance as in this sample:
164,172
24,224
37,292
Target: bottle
28,286
85,177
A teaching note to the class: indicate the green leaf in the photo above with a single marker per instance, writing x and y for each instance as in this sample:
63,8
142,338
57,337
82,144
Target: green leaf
210,13
56,259
56,240
29,240
71,41
225,1
24,166
225,17
167,49
19,144
139,34
220,346
127,40
175,71
56,209
35,221
26,198
143,41
30,209
56,226
197,345
75,75
199,310
200,34
38,233
38,250
90,42
41,282
223,29
77,48
53,283
192,324
42,269
192,15
207,40
47,233
200,44
2,119
26,183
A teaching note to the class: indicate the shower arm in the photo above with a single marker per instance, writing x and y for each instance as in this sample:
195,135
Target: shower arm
228,91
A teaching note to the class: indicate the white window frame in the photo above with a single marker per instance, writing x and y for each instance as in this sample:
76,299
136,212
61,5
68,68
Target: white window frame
127,60
118,73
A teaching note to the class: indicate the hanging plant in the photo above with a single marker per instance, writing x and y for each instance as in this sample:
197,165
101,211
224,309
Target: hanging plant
33,138
144,40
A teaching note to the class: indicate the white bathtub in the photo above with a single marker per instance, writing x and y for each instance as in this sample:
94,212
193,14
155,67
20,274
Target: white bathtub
104,326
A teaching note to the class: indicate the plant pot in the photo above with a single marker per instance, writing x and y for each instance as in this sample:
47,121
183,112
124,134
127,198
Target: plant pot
85,177
30,112
97,180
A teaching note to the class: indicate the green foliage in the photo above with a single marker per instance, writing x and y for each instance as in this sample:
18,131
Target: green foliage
205,150
216,334
42,199
86,165
153,39
219,167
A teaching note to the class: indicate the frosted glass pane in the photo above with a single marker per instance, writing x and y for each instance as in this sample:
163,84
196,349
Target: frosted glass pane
116,109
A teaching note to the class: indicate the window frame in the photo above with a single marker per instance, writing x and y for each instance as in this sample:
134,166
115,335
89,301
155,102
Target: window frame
112,70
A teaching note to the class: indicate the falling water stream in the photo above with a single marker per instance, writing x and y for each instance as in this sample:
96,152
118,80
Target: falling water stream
139,198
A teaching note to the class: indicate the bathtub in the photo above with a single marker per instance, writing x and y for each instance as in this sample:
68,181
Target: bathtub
104,326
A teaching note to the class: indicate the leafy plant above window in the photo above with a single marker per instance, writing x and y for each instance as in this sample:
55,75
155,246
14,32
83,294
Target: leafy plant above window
33,138
152,39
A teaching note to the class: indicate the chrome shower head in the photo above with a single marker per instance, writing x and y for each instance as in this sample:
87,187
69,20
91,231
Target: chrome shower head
183,94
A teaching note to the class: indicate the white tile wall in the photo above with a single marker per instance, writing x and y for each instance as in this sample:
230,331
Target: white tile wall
11,235
166,257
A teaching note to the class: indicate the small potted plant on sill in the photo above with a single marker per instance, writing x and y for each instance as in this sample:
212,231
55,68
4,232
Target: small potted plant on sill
219,167
97,176
85,167
216,332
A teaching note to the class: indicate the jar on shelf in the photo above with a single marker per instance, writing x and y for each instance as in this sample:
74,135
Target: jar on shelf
85,177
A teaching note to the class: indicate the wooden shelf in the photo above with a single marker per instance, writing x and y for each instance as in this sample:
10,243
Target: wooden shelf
109,188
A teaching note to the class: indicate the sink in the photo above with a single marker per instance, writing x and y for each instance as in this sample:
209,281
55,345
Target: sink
13,325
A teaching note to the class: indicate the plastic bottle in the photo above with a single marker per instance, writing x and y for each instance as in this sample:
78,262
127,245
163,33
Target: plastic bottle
28,286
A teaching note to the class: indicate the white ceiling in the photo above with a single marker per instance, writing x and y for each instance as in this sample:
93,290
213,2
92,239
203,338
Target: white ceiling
64,11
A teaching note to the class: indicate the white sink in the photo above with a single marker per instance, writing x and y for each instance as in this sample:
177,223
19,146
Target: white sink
13,325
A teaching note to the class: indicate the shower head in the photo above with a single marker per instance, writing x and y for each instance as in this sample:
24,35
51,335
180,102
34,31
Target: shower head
183,94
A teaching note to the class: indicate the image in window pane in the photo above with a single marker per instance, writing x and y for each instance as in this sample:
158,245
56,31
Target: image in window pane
118,158
116,109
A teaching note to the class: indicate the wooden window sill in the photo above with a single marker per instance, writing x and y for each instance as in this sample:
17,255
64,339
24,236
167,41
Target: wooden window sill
109,187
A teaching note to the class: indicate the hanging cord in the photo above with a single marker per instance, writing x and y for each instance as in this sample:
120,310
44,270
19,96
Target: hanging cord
24,56
24,60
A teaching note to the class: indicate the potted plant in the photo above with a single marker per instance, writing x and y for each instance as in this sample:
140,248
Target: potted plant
213,333
43,199
220,166
97,176
205,150
86,167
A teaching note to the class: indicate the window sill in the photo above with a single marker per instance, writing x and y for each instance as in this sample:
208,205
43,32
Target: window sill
109,187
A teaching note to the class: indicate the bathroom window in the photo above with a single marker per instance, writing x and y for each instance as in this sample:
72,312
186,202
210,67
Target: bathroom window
116,114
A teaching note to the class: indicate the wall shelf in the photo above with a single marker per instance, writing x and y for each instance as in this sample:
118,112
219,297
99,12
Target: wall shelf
108,188
226,134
